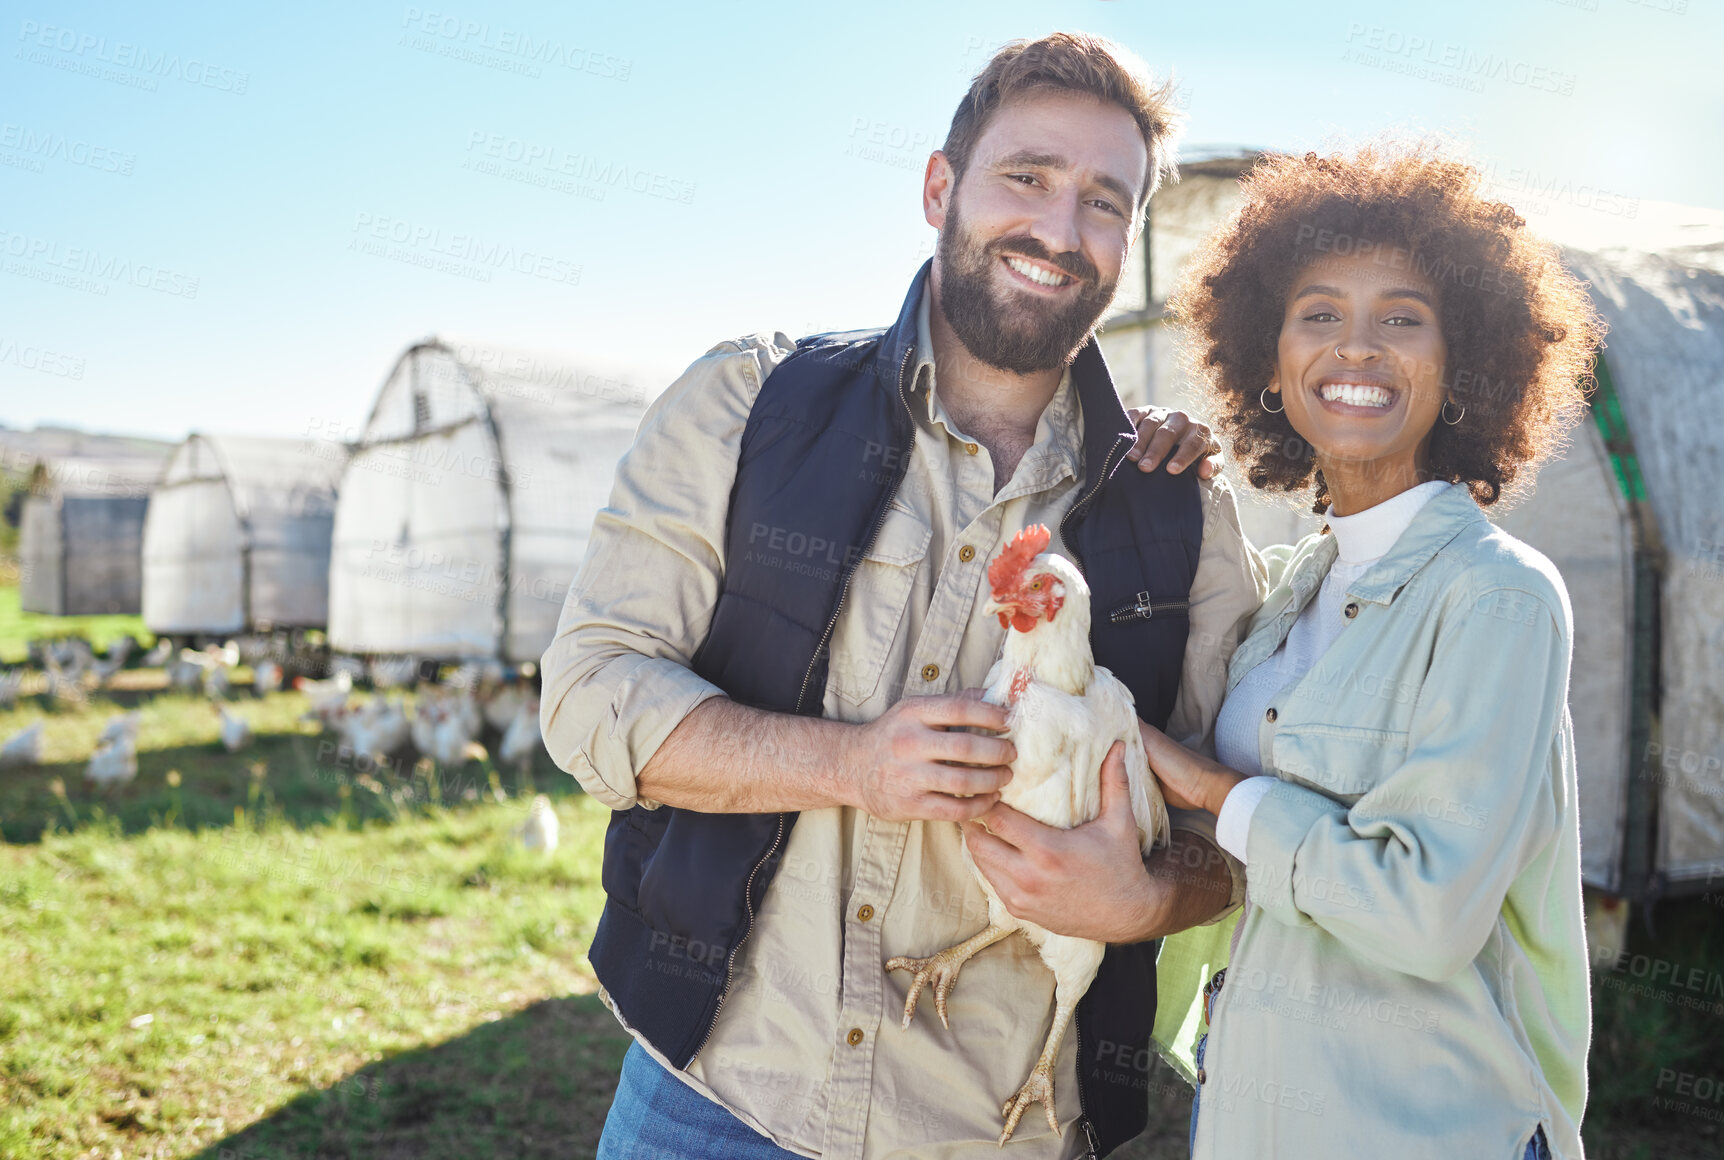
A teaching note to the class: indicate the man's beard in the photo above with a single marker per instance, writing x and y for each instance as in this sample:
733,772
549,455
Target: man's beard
1011,331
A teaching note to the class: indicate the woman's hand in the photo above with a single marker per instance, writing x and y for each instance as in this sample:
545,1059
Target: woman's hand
1160,431
1189,781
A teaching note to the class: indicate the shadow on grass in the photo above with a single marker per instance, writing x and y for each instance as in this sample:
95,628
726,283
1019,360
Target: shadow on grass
302,779
537,1084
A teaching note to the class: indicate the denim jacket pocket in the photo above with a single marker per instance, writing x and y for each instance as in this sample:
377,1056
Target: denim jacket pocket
874,606
1342,761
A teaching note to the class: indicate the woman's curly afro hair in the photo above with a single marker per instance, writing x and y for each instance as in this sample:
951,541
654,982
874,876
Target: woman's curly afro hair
1519,328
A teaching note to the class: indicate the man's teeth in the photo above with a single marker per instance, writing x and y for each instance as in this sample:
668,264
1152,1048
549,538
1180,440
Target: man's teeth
1356,394
1036,273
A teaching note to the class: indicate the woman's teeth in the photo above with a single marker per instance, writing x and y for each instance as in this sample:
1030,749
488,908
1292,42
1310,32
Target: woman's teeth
1356,394
1036,273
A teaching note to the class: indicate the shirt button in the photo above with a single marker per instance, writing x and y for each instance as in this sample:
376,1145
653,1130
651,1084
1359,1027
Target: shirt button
854,1037
971,448
1350,611
864,913
930,672
966,553
1202,1076
1271,715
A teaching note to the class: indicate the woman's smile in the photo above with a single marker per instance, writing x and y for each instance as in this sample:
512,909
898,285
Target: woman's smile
1356,394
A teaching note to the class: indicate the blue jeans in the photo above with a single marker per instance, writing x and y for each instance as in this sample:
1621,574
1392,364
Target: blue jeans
1536,1148
655,1116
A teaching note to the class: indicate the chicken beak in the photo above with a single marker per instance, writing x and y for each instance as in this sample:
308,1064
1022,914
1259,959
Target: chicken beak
1004,611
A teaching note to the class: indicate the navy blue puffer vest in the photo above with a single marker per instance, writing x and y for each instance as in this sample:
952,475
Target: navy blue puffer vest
823,452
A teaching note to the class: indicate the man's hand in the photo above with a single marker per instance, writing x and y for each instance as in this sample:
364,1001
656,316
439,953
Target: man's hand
1160,431
1089,881
897,764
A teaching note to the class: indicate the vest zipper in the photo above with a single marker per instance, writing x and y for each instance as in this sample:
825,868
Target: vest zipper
778,838
730,959
1106,465
1092,1142
1144,608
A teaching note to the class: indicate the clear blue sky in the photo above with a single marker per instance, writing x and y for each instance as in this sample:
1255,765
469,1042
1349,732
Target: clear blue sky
203,209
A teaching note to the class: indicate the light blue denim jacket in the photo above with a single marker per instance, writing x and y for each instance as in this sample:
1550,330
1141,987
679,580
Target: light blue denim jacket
1412,971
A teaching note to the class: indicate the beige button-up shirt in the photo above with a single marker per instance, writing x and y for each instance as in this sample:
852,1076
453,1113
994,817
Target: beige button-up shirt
807,1047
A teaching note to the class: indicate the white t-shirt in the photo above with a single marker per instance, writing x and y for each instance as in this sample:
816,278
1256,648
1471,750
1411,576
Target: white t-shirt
1361,539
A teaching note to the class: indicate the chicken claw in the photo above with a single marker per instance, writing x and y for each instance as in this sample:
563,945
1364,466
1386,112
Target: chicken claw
942,969
1040,1086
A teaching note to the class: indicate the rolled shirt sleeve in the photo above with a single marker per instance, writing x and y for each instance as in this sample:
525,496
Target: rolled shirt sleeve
617,676
1482,738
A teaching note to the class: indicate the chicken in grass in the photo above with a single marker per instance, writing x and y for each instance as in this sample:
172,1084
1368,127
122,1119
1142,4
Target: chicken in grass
235,730
539,831
1063,715
22,748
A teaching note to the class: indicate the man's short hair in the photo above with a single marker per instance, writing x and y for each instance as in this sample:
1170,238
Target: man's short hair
1073,62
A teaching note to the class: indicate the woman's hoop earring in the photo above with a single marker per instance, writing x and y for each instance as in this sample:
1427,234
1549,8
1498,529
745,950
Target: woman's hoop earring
1263,397
1457,418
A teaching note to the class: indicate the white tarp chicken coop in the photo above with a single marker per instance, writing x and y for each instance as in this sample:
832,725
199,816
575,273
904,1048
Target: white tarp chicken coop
1631,514
237,538
465,510
78,535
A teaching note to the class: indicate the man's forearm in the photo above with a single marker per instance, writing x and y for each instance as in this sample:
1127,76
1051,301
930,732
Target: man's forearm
1193,884
725,758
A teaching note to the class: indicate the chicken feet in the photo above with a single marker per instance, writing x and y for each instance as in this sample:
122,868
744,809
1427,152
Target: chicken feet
1040,1084
942,969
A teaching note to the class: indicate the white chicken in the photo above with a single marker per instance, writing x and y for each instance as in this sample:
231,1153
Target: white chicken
521,741
11,682
452,744
113,763
187,670
122,727
105,669
502,705
427,714
23,747
539,831
235,730
327,697
216,679
466,705
158,656
63,684
265,678
1064,714
376,729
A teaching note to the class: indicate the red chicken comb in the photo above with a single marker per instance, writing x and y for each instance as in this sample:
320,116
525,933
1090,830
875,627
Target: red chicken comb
1008,567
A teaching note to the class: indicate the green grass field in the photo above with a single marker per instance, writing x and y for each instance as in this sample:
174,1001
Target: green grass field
284,957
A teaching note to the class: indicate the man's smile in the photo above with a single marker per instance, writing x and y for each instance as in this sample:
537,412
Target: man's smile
1036,273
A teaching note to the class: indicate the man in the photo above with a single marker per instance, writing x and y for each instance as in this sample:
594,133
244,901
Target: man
762,665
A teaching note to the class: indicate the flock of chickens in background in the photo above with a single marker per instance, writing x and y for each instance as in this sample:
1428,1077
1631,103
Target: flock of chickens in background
444,724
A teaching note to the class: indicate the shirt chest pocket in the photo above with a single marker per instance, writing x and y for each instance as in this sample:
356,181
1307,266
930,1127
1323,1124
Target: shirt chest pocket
1343,762
873,615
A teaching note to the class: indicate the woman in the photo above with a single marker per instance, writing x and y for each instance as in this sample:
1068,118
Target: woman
1408,977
